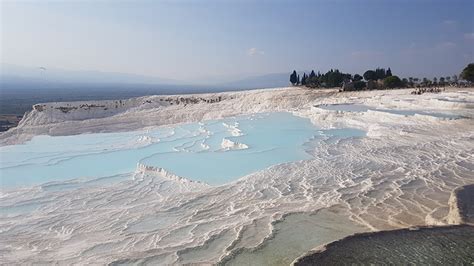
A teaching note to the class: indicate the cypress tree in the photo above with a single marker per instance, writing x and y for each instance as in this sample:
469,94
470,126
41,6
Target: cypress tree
380,73
293,78
303,79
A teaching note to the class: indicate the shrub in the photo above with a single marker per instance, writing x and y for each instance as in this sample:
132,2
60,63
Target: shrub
392,82
357,77
359,85
468,73
370,75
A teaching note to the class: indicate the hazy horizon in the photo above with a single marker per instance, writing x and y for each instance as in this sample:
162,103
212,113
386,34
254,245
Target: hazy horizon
194,132
61,74
195,42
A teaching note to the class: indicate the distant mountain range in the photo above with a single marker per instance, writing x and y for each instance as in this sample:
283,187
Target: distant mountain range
14,73
13,76
22,87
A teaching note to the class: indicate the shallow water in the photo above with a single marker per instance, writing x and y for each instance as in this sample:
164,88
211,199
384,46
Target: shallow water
296,234
365,108
446,245
151,218
214,152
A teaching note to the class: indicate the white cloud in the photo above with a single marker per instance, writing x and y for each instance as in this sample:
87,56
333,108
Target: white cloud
469,36
254,51
468,57
449,22
446,45
367,55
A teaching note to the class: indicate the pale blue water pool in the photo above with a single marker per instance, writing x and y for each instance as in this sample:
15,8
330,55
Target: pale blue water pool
365,108
194,151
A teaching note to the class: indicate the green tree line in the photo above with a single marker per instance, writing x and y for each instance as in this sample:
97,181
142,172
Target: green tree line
374,79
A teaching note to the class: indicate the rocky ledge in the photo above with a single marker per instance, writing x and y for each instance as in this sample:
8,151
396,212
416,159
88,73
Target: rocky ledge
440,245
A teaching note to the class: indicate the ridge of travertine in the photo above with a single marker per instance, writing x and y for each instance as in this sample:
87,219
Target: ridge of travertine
69,118
400,175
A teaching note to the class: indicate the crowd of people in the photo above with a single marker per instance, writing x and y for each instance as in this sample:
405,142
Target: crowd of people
419,91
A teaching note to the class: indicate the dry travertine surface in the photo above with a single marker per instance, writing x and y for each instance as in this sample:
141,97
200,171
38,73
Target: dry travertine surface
67,118
400,175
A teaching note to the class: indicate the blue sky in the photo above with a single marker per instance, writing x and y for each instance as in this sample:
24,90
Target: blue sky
196,40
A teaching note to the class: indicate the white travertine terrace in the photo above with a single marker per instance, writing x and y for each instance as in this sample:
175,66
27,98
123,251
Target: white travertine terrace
228,144
402,174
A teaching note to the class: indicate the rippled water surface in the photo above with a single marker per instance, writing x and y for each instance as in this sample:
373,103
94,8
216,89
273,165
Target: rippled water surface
214,152
365,108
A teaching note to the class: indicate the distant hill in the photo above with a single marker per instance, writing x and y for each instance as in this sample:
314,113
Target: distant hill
18,77
19,74
21,87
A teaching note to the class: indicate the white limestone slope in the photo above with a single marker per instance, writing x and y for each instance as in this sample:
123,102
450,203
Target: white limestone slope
111,116
401,174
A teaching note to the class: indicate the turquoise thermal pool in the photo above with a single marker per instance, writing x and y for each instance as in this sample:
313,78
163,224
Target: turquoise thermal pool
214,152
364,108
